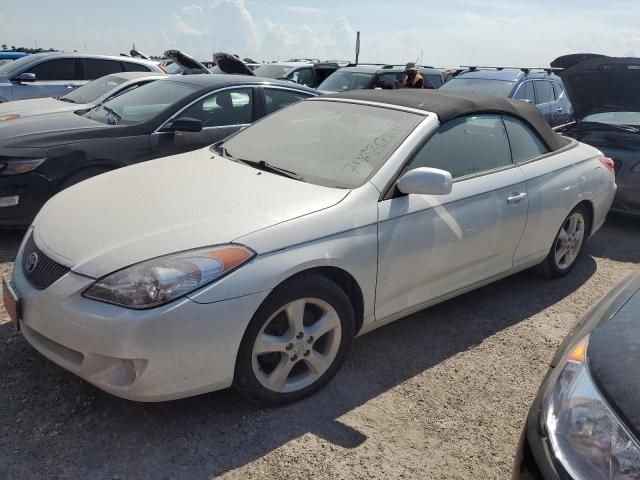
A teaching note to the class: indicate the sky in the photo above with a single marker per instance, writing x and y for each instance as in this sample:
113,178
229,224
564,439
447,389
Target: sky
439,33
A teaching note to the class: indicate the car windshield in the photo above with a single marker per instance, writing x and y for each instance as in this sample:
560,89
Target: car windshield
90,92
341,81
9,67
327,143
141,104
615,118
272,71
482,86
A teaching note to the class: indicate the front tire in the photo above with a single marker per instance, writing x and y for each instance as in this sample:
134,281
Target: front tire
568,245
295,342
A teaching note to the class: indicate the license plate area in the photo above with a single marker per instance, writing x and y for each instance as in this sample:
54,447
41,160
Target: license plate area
11,301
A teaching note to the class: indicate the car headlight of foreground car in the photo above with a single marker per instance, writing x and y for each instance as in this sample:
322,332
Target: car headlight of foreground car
17,165
586,436
161,280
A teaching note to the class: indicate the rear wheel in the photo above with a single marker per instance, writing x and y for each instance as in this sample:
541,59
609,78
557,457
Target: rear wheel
295,342
568,244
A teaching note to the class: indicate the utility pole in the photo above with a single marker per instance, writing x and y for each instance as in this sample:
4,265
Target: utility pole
357,46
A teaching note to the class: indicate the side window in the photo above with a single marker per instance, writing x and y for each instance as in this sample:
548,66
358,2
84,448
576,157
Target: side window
525,143
96,68
525,92
466,145
134,67
386,81
304,76
277,99
557,89
55,70
225,108
544,91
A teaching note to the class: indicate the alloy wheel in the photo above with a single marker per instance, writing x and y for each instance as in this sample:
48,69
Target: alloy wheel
570,240
296,345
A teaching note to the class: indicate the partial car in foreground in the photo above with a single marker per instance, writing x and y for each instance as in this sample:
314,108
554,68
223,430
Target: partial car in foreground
537,86
386,77
585,421
44,154
605,93
255,262
82,98
54,74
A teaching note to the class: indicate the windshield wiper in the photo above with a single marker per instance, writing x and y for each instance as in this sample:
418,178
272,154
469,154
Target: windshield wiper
62,99
260,164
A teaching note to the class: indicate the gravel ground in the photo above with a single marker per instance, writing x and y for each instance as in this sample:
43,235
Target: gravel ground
440,394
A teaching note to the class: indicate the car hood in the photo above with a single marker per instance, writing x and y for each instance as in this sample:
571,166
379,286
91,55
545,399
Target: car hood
603,84
168,205
614,355
186,61
45,130
36,106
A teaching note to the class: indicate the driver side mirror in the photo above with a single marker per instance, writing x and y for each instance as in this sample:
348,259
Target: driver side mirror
185,124
425,181
25,78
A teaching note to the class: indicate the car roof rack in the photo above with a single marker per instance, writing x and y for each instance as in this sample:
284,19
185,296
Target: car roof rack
548,70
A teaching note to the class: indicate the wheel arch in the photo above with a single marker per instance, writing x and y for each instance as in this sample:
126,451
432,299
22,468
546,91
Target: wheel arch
345,281
588,204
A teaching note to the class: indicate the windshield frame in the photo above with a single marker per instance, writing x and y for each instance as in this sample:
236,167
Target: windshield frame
219,147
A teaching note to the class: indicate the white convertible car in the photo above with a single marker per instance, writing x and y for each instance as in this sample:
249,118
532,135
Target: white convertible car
256,262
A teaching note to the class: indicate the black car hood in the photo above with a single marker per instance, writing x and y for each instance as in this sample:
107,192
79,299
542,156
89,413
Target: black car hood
191,64
50,129
614,357
603,84
230,64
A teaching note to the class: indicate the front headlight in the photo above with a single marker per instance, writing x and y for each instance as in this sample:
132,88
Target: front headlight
17,165
586,436
164,279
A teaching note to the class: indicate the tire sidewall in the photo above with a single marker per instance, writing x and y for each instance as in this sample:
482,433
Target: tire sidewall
313,286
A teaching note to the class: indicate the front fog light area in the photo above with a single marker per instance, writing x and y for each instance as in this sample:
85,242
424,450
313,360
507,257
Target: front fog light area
586,436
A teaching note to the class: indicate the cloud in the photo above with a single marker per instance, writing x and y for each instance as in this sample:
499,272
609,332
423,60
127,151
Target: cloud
182,28
193,9
303,10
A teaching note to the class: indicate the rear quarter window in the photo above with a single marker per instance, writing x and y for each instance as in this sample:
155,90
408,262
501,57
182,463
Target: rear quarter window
525,143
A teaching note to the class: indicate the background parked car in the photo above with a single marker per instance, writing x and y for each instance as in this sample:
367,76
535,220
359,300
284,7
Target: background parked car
44,154
6,57
605,93
585,420
300,72
54,74
86,96
375,76
540,87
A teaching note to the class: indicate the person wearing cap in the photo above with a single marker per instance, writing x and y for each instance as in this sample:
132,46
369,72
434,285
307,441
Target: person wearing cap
412,78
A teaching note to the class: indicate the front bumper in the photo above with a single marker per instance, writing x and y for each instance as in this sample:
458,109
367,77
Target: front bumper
32,189
174,351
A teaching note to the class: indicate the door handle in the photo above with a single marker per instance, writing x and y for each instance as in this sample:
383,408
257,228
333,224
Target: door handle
516,198
559,109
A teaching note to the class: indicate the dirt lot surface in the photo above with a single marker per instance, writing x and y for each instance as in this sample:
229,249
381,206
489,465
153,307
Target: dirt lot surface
440,394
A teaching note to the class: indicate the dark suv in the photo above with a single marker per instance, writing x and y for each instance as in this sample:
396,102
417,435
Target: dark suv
376,76
540,87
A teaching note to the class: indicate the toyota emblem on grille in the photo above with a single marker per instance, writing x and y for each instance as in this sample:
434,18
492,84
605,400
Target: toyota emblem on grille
32,262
